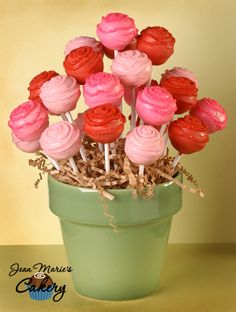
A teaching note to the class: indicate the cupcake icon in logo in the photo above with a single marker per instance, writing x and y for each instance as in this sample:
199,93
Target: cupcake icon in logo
41,286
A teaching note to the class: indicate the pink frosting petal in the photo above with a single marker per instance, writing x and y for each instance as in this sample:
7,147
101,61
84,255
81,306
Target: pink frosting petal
155,105
60,94
144,145
61,140
132,67
102,88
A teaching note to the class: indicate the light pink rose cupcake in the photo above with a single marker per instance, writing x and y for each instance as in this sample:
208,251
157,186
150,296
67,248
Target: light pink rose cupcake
61,140
144,145
28,121
155,105
211,114
27,147
116,31
180,72
60,94
102,88
83,41
132,67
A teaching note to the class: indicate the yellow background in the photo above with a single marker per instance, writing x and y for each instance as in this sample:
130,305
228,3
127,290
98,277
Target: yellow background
33,34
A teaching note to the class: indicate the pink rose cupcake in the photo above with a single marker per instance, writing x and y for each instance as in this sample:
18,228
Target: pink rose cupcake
61,140
144,145
155,105
60,94
116,31
28,121
27,147
102,88
132,67
211,113
83,41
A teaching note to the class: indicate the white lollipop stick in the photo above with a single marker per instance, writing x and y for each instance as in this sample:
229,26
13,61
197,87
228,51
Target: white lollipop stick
54,162
141,122
68,117
166,142
133,111
113,150
163,129
176,160
73,165
141,170
82,153
100,146
107,161
115,53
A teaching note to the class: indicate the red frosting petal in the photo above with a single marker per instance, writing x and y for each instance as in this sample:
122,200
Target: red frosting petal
188,135
104,123
157,42
82,62
183,90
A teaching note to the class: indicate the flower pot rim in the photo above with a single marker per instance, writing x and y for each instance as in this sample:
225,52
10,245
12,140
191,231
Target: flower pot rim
116,190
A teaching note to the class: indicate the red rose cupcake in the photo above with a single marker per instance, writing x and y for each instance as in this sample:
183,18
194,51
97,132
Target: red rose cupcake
157,43
183,90
82,62
104,123
36,83
188,135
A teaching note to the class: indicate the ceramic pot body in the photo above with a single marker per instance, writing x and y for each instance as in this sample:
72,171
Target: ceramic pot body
109,265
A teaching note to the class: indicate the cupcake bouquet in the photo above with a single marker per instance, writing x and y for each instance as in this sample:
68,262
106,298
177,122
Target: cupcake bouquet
92,149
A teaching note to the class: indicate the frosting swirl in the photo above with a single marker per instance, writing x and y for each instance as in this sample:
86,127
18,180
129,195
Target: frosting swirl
132,67
60,94
36,83
155,105
104,123
28,121
183,90
28,147
82,62
101,88
211,114
61,140
188,134
180,72
144,145
157,42
84,41
116,31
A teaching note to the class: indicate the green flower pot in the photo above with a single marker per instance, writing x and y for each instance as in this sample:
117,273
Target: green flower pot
109,265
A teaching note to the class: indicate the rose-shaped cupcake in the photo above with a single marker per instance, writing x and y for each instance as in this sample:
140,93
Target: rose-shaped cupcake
188,135
101,88
104,123
83,62
211,114
180,72
128,92
83,41
155,106
144,145
116,31
132,67
28,121
36,83
79,122
27,147
60,94
157,43
61,140
183,90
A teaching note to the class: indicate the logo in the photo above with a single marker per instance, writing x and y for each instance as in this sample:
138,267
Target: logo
40,285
